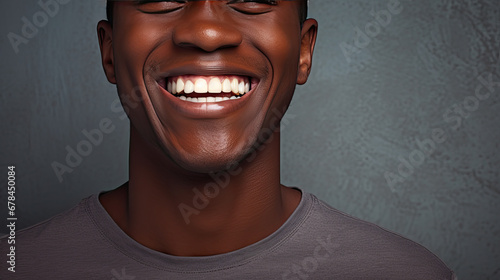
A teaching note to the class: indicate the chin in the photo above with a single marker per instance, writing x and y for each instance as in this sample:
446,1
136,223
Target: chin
208,162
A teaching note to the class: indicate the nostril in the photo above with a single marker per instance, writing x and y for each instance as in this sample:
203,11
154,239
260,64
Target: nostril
207,35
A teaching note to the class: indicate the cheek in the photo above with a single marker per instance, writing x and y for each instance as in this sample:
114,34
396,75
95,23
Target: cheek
281,52
278,38
134,40
281,46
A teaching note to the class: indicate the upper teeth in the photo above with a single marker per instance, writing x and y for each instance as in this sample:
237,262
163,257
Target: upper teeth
236,85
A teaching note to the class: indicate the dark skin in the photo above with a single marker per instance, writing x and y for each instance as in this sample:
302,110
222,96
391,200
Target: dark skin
175,144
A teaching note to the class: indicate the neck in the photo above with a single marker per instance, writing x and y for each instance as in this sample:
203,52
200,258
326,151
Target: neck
181,213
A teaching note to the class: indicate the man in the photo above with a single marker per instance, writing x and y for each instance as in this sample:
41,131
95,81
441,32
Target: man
205,84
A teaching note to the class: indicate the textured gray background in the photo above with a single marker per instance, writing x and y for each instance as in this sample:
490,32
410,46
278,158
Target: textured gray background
351,123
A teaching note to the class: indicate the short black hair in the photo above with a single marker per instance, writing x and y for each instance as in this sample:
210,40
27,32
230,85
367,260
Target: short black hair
302,12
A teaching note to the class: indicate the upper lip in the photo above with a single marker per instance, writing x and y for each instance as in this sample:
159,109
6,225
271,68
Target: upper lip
208,69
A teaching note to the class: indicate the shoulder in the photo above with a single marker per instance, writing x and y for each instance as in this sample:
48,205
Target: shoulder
53,243
70,221
370,248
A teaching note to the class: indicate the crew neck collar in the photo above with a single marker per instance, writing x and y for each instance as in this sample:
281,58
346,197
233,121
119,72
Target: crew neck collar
133,249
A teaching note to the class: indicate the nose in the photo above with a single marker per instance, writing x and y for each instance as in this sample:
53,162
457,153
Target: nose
205,25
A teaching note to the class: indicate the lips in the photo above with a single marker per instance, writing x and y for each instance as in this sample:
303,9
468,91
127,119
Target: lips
207,89
205,95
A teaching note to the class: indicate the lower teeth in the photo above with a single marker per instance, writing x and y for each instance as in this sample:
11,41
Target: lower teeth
207,99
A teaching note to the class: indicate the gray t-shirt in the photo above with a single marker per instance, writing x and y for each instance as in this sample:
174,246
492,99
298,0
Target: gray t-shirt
316,242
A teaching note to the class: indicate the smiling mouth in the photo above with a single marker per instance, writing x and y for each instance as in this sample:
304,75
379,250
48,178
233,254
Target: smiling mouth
207,89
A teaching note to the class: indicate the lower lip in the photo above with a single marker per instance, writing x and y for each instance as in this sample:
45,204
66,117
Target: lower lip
206,110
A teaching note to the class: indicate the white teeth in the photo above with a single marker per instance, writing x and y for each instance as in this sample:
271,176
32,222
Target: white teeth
174,87
180,85
234,85
226,86
214,86
200,86
184,86
241,87
189,87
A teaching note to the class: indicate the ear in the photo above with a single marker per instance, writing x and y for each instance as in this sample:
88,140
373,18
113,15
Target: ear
105,35
308,33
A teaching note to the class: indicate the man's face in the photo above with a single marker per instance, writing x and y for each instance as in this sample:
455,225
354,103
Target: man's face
200,80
